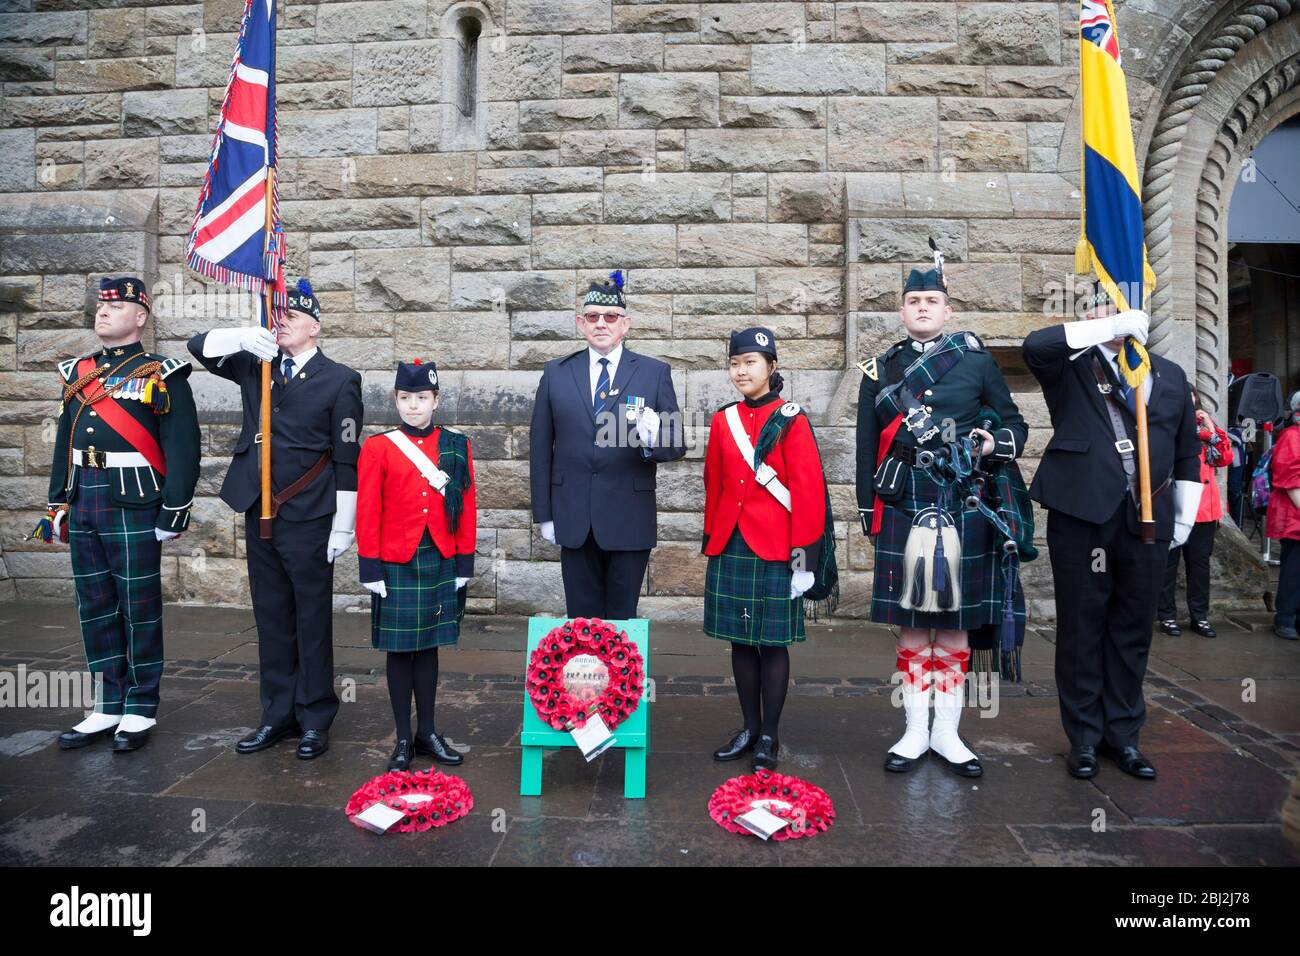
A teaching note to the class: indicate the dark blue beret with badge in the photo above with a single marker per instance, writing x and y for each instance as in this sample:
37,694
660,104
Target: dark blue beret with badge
928,280
303,299
124,289
757,339
416,376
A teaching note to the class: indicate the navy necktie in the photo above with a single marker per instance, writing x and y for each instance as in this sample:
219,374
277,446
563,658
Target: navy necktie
1126,391
602,387
287,369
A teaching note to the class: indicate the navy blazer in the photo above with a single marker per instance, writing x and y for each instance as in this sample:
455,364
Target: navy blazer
604,486
1081,473
319,409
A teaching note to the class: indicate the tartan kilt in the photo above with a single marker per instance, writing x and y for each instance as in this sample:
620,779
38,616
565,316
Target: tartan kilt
421,610
747,599
981,579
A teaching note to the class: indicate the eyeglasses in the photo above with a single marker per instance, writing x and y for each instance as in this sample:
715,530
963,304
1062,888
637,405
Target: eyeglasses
605,316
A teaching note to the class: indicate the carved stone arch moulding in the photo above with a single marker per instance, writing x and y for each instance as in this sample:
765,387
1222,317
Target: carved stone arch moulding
1215,110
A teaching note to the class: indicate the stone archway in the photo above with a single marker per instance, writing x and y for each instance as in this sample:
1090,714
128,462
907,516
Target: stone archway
1237,80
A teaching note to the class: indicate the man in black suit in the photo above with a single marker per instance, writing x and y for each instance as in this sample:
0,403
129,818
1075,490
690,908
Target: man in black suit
316,418
1107,579
603,418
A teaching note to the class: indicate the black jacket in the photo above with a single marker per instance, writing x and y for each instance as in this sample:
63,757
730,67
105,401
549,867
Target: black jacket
319,409
605,486
1081,473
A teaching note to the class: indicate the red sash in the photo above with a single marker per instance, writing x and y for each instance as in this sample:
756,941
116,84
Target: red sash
886,439
119,419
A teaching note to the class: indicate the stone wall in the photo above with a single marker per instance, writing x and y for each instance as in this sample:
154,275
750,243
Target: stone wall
779,163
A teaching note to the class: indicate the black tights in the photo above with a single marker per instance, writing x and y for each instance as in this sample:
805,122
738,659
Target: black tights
415,671
762,676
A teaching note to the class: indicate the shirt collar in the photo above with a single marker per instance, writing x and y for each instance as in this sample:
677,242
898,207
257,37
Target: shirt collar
301,359
614,355
418,432
918,345
767,399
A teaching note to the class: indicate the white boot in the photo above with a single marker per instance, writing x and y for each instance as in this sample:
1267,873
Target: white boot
134,723
916,738
97,722
944,739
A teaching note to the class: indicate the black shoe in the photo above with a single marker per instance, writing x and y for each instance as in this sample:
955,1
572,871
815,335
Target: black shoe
740,745
968,768
313,744
75,739
1081,761
896,764
1286,633
401,758
264,737
1171,628
1203,628
765,751
434,746
125,740
1130,760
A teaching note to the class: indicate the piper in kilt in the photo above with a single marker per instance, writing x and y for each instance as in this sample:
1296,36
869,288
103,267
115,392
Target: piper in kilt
416,520
933,413
762,532
126,461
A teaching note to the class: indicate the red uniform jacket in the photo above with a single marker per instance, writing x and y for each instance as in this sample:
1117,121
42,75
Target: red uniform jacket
1283,519
395,504
732,496
1211,508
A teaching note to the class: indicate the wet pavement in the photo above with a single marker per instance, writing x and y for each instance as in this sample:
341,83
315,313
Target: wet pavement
1223,729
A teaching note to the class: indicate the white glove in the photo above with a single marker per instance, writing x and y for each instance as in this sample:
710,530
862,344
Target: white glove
647,427
375,587
800,581
1089,332
1186,503
547,529
345,520
59,515
253,339
461,582
162,535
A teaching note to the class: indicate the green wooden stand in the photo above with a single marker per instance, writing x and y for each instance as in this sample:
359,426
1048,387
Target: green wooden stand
632,736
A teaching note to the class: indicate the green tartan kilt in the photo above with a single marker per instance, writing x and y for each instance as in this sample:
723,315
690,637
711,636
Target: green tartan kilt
981,580
421,608
747,599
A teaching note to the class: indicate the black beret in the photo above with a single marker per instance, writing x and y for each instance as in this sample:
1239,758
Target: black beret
416,377
929,280
303,299
607,291
124,289
757,339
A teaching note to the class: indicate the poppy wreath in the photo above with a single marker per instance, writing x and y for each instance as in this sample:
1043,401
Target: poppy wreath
545,677
449,798
807,807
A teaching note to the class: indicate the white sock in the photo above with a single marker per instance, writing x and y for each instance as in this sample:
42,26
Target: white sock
97,722
134,723
916,739
947,715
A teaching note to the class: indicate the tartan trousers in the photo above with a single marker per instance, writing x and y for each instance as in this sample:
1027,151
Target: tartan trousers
115,568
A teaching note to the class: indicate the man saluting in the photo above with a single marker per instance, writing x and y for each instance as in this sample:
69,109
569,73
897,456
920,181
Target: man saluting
316,416
1107,580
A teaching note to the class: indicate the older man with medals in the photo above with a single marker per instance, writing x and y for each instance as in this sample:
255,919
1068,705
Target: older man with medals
936,422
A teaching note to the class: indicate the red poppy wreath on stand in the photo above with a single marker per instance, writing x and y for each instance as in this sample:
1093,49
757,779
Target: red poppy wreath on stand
427,798
807,807
583,667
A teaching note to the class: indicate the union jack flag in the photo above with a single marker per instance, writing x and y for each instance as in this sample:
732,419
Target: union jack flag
1095,26
229,240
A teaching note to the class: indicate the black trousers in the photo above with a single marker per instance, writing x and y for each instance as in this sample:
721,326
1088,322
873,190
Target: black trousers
292,585
1195,554
600,583
1287,608
1107,584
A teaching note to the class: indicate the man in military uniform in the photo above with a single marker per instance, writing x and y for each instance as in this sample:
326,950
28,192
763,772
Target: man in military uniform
1107,580
126,460
932,409
316,418
602,420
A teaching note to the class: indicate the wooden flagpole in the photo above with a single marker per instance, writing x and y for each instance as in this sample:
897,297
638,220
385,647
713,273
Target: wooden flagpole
1148,524
264,526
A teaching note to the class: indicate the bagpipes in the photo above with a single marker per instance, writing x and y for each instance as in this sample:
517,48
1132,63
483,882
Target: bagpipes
933,553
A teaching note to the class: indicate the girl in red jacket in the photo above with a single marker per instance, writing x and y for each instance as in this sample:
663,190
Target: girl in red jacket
762,533
415,538
1216,452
